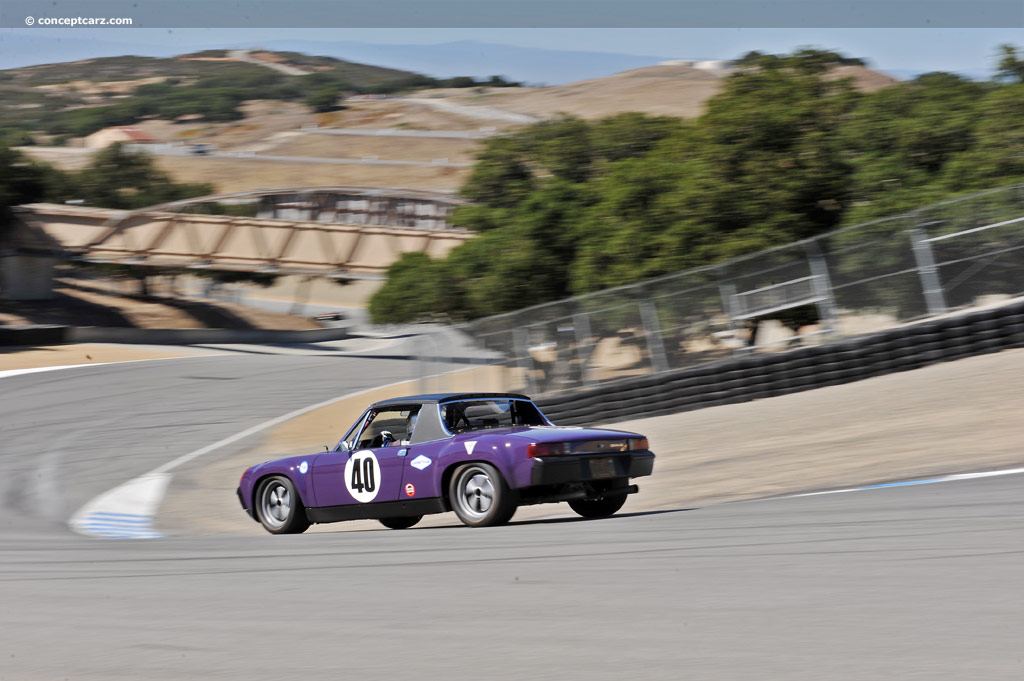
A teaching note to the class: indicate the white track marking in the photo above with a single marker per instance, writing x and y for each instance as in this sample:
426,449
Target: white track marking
909,483
18,372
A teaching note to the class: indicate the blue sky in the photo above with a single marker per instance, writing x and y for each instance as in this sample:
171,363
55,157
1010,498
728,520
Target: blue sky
959,50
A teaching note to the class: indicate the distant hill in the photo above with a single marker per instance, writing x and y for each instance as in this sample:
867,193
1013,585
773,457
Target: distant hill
444,60
469,57
205,63
80,97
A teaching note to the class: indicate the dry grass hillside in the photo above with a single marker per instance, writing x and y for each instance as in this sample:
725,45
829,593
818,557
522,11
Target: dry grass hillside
665,90
235,175
659,90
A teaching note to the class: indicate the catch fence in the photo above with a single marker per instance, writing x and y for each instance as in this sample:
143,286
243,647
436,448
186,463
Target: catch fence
957,254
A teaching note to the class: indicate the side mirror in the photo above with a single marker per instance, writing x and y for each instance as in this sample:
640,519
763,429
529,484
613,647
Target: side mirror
342,447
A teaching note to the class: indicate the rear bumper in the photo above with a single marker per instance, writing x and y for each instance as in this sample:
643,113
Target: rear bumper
553,470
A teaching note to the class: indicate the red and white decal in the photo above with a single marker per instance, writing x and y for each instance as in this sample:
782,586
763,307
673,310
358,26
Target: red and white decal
410,489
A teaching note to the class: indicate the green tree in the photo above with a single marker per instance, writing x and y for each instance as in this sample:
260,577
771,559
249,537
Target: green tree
21,181
630,135
1011,68
899,140
769,164
322,100
414,290
119,179
501,176
997,153
560,147
461,81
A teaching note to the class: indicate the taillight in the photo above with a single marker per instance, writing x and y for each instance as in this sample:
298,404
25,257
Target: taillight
546,449
638,443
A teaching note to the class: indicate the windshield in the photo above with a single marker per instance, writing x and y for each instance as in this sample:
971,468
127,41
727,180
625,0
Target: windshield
396,422
460,417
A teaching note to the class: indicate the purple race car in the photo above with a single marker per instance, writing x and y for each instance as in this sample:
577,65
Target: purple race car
481,455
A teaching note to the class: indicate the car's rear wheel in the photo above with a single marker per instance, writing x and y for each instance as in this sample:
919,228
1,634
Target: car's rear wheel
598,508
400,523
480,496
279,508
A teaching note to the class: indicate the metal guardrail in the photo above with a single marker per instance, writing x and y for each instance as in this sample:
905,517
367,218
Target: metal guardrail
775,298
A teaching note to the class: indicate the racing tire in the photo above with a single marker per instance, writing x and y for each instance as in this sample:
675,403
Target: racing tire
480,496
598,508
400,522
279,508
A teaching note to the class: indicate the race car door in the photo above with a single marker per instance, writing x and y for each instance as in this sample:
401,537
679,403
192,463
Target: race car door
368,467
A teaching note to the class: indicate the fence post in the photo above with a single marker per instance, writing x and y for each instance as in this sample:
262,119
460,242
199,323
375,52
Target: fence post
523,358
822,286
581,325
422,369
728,293
931,285
652,329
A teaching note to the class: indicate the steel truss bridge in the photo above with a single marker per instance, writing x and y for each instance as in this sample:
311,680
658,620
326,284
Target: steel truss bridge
339,232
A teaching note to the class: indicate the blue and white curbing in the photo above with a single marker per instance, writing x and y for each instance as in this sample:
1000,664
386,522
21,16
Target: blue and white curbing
125,512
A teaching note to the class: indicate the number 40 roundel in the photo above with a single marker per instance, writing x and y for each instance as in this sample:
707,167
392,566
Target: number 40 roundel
362,476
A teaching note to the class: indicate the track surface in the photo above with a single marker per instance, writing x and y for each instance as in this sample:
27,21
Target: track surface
902,583
911,583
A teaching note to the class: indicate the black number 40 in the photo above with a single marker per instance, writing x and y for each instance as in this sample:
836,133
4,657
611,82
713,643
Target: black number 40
362,475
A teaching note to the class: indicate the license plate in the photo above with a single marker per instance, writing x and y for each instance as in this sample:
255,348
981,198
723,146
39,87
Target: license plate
602,468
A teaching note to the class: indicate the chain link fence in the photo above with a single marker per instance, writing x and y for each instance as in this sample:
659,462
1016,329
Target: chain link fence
948,256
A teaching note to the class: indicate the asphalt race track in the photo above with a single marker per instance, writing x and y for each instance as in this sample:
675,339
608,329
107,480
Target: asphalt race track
920,582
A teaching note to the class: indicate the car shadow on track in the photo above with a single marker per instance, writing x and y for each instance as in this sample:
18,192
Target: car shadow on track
578,519
454,523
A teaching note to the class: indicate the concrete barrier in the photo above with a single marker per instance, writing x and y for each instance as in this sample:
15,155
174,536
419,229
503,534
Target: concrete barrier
35,335
48,334
100,334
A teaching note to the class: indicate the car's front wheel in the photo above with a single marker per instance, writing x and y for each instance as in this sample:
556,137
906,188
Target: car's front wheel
401,522
598,508
279,508
480,496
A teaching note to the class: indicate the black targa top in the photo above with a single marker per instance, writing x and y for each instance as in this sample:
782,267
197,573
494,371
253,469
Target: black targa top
428,426
447,397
